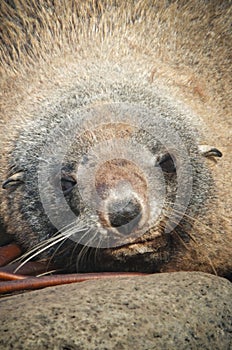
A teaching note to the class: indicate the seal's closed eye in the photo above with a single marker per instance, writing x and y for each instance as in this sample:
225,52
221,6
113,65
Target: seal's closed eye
167,163
13,181
67,183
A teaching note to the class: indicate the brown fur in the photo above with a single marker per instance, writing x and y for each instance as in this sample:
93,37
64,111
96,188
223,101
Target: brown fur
184,46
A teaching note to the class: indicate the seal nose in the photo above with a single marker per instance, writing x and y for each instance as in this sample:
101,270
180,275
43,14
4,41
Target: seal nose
124,214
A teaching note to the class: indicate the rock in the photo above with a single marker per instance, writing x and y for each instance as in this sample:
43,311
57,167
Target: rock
182,310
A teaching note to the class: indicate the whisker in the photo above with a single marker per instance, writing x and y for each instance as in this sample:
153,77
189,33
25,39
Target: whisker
71,259
39,252
68,234
47,273
85,249
191,218
194,240
42,244
53,241
38,246
57,249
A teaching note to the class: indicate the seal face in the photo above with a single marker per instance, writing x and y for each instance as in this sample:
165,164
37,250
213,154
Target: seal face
104,167
121,176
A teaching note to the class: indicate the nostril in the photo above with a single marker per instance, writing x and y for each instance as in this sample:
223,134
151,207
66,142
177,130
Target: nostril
123,212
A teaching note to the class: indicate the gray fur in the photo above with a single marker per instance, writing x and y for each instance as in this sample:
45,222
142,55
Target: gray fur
75,71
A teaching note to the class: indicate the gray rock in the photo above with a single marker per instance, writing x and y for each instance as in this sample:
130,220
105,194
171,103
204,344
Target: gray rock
180,310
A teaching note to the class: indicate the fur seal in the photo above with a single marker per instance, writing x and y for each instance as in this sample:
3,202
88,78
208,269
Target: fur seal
106,122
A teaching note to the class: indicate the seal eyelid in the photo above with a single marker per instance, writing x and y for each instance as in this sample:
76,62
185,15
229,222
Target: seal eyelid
14,180
167,163
68,182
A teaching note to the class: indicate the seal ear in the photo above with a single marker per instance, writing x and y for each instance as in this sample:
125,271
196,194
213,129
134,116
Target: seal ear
14,180
210,152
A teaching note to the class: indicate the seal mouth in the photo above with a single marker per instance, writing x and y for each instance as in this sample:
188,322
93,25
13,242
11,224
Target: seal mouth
146,254
146,242
142,246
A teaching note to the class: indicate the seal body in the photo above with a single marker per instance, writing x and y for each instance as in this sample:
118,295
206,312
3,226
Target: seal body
106,123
